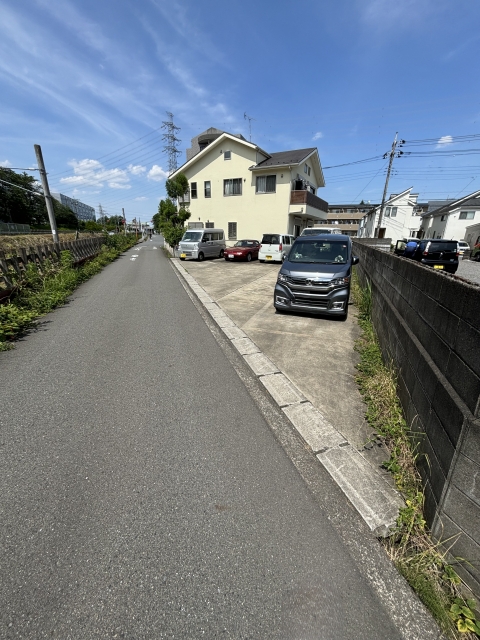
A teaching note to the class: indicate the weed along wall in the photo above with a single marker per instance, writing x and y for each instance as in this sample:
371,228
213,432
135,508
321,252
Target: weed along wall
428,325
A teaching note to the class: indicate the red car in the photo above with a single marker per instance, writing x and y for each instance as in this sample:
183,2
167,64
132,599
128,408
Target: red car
243,250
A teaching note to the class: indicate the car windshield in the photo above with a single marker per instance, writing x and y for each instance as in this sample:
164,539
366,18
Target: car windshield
271,238
244,243
192,236
319,251
442,246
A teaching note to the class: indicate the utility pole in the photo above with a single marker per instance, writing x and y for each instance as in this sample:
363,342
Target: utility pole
124,221
171,142
46,192
382,206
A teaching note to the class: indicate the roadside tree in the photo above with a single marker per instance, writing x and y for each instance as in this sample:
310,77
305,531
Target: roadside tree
170,219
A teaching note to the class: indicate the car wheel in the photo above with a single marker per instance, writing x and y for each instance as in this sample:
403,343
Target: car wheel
200,257
222,253
261,260
182,259
249,257
345,315
477,257
226,258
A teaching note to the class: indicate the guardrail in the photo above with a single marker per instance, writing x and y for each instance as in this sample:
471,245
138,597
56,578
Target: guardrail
16,263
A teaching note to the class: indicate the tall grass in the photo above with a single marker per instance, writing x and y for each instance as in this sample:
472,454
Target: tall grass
421,561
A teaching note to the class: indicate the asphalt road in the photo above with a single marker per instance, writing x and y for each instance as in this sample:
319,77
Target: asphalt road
144,495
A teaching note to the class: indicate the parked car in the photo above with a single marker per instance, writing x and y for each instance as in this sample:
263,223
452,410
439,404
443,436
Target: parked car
202,243
315,277
436,253
243,250
314,231
275,247
475,255
462,247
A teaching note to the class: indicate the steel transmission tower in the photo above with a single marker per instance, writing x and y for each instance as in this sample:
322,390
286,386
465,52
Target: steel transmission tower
171,142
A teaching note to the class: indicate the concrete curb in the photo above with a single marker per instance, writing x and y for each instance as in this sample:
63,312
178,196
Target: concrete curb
374,499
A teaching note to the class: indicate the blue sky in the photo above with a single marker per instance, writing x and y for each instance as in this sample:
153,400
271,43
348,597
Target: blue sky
91,82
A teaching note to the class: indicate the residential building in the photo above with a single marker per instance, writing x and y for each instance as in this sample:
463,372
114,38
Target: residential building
239,187
401,217
451,220
80,209
472,235
348,216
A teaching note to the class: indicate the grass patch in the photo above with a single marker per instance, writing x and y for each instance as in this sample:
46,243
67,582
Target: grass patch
421,561
39,292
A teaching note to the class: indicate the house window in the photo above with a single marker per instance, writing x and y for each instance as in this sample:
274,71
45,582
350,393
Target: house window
193,189
209,225
227,155
305,169
232,230
467,215
443,218
232,187
308,168
207,189
387,212
266,184
394,212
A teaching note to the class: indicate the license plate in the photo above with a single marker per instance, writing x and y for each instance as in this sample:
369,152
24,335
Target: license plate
231,257
438,266
268,257
183,255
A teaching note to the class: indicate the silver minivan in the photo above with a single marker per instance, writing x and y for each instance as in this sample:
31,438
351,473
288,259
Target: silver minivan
198,244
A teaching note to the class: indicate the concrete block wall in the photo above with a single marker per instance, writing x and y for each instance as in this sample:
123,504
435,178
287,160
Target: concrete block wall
428,325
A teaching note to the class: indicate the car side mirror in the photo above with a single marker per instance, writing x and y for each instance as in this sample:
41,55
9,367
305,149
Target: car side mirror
355,260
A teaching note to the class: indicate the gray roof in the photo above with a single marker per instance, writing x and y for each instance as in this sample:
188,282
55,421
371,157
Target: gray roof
470,202
295,156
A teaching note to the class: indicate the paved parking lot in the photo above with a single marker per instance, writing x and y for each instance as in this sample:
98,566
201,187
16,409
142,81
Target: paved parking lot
470,270
316,353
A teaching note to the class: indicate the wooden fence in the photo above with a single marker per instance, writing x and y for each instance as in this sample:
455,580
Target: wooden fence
80,250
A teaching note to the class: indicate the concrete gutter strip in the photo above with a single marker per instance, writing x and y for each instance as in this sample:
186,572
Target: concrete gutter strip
374,498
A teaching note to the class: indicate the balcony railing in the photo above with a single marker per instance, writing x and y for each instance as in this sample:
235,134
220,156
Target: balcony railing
185,199
307,197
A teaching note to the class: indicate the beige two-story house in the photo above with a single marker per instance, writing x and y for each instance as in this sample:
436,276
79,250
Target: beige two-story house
237,186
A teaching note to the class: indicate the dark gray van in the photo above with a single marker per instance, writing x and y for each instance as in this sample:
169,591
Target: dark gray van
315,277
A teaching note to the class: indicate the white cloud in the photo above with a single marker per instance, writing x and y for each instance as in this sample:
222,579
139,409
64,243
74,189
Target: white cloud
92,173
385,14
318,135
141,198
444,140
5,163
157,173
136,169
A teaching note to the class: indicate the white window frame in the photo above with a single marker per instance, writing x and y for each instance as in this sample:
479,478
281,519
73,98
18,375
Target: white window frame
227,155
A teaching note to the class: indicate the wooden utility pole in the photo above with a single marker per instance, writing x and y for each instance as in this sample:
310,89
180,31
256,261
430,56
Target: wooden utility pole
46,192
124,221
382,206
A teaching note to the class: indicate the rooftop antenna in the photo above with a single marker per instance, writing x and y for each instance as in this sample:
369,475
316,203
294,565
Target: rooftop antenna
245,117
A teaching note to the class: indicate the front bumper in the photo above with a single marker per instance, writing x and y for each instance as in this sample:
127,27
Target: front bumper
310,301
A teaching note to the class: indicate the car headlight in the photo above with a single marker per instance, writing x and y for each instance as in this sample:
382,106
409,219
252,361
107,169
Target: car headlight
282,277
338,282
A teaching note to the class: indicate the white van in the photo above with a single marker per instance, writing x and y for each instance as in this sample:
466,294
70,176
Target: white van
275,247
198,244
